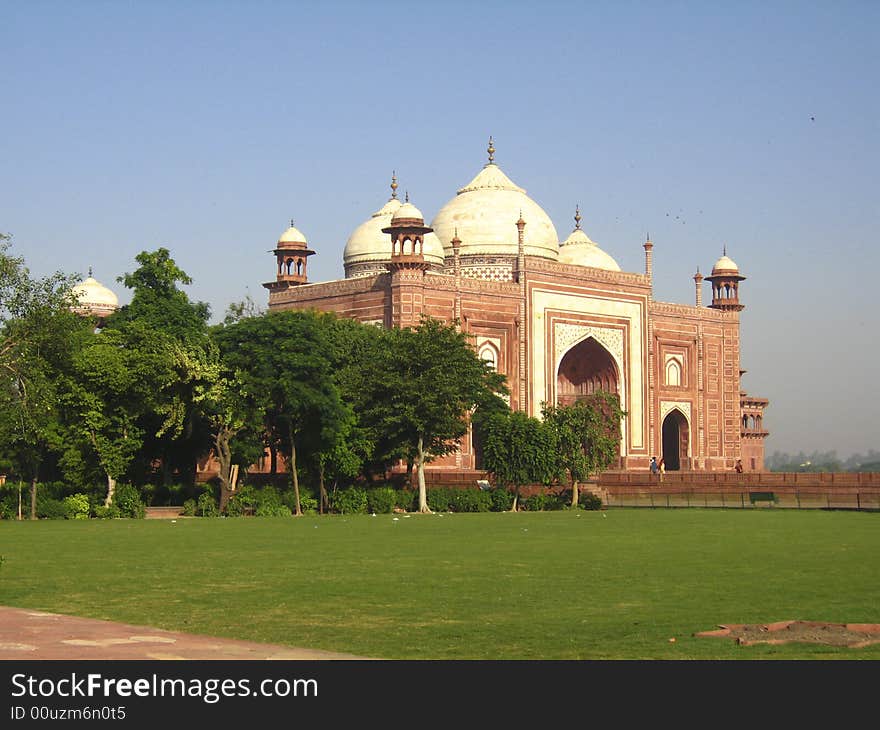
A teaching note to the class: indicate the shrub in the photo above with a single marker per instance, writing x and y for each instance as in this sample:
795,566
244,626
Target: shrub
470,500
381,500
501,499
106,513
243,501
440,499
307,500
9,505
206,505
48,508
352,500
77,507
128,500
269,503
535,502
557,500
588,500
189,508
406,499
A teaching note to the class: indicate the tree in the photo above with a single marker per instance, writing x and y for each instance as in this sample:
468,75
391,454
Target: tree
281,360
587,435
111,386
179,344
422,390
518,450
37,328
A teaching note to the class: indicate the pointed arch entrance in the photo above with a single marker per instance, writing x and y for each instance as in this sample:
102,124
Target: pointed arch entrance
676,437
586,368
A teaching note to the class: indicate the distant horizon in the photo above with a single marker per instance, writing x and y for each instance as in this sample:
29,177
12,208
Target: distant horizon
205,127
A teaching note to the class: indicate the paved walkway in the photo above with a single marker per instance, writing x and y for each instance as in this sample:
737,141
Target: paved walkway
31,635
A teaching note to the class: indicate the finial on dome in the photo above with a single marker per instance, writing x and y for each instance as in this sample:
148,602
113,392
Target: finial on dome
491,151
407,197
393,185
90,272
291,222
724,250
577,217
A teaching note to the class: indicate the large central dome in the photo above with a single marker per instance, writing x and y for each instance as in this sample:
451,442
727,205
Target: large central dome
484,214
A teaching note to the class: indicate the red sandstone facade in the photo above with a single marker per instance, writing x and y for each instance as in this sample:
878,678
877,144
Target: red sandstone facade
557,327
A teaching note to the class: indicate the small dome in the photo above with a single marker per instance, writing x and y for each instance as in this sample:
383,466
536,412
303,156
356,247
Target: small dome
579,250
94,298
725,264
368,249
292,235
407,211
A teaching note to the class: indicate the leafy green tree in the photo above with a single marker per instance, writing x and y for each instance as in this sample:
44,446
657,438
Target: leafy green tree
422,391
111,386
281,360
587,436
519,450
181,346
37,329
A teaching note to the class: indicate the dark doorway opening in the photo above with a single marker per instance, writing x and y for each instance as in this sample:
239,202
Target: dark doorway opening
675,440
586,368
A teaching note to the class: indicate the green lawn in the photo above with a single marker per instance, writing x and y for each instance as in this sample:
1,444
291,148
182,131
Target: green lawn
556,585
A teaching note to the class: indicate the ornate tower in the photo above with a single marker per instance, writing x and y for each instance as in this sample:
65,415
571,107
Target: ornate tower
407,265
725,280
291,255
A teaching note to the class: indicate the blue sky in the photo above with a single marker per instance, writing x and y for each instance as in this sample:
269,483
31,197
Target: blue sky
205,126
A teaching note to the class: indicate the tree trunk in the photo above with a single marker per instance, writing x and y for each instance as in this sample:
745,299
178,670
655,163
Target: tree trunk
420,468
20,485
574,492
298,512
34,498
324,502
224,457
111,489
515,504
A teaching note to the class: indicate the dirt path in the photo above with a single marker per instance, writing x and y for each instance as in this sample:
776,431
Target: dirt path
35,635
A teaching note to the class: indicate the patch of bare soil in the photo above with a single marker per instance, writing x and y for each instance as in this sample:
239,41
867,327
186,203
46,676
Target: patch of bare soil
784,632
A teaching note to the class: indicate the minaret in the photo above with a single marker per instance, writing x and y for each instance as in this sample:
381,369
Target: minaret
725,280
456,270
649,256
407,265
291,256
523,308
698,282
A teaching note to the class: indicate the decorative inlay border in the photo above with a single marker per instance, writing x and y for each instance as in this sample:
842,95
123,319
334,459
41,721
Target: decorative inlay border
567,335
670,405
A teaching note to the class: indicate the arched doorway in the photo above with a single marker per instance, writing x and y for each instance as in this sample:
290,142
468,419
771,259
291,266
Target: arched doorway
585,368
675,440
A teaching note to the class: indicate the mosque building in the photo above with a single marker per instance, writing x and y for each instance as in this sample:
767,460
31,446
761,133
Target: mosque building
557,317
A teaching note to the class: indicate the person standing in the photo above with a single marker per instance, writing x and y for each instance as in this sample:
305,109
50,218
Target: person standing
654,467
662,468
739,466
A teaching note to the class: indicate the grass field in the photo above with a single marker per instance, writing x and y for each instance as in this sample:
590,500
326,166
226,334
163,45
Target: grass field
550,585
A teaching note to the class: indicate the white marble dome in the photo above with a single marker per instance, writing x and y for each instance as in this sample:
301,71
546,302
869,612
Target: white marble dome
724,264
484,214
368,249
292,235
94,298
407,211
580,250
